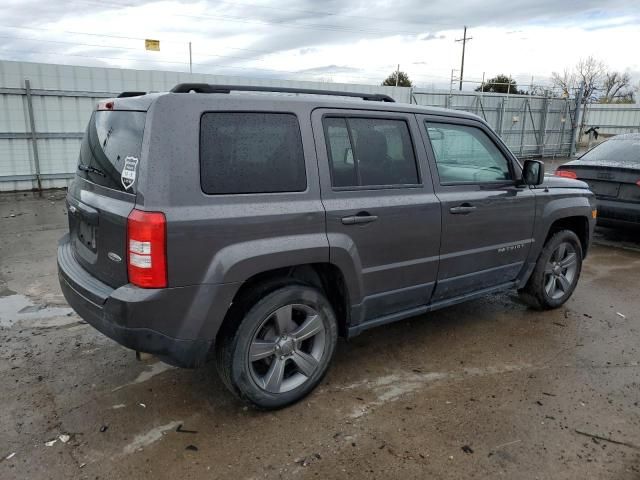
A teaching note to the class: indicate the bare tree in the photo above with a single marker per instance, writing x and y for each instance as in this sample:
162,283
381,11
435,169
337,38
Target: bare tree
539,90
616,87
565,81
588,71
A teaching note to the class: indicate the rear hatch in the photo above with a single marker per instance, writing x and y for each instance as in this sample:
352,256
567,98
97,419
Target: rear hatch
610,182
104,192
611,168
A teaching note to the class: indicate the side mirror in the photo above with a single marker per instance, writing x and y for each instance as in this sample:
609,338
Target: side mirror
533,172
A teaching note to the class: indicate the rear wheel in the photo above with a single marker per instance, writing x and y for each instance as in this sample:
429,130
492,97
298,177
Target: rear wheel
281,347
556,272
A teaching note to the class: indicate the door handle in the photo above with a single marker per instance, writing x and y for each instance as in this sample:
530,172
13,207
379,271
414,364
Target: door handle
462,209
359,219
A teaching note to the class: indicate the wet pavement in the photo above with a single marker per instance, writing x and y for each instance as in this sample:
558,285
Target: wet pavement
486,389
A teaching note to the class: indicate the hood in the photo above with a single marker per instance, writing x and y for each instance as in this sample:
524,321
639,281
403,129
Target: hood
551,181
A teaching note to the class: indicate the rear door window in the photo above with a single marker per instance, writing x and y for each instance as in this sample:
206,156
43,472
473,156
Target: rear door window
251,152
370,152
112,139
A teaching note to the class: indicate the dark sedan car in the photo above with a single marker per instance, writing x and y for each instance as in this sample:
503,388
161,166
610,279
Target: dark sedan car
612,170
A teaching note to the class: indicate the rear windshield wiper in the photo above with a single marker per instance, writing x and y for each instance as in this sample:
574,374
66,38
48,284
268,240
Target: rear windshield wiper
87,168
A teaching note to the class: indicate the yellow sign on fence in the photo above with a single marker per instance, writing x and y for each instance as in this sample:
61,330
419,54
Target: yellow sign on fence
152,45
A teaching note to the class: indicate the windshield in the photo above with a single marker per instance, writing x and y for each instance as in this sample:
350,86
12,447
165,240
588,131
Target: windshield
627,150
112,140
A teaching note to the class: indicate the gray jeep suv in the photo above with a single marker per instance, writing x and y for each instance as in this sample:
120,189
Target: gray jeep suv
255,228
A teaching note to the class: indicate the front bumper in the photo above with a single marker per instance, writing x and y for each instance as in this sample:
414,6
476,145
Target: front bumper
615,211
176,324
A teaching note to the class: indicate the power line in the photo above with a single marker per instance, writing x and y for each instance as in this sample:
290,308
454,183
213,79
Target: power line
106,35
202,17
119,47
232,18
221,66
122,37
95,56
114,47
368,78
332,14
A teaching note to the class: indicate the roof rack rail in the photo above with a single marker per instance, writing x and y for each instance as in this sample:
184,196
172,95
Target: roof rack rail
212,88
130,94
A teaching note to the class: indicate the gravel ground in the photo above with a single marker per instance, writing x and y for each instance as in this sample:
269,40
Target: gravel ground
482,390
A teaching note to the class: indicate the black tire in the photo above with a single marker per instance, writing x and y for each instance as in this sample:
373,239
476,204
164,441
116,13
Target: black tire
235,343
535,293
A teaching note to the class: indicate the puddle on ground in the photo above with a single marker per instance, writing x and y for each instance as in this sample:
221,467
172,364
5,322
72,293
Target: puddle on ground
19,308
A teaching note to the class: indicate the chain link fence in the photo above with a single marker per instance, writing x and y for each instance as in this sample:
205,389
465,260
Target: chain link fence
532,126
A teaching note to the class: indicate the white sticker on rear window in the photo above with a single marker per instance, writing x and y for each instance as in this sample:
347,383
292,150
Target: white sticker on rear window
128,176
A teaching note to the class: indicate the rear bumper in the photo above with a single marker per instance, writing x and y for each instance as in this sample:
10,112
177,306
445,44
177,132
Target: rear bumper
612,211
176,324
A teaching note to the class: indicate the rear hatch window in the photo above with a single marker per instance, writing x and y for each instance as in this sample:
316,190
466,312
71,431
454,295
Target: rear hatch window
111,144
618,149
98,219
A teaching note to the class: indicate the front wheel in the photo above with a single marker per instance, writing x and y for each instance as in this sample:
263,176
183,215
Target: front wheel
556,273
281,348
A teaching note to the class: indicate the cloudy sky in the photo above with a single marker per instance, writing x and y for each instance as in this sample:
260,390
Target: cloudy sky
355,41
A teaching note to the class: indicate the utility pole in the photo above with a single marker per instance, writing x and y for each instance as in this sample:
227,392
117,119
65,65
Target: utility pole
398,75
464,41
190,64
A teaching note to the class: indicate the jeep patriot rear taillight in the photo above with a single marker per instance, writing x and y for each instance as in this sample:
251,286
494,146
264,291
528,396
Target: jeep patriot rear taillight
147,249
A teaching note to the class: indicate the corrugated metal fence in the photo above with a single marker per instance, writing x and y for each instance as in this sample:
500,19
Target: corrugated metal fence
613,119
44,109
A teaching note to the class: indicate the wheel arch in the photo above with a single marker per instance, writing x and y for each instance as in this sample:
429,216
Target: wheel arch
573,213
578,224
325,276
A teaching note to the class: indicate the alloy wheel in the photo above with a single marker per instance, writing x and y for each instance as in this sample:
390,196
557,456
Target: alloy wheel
560,271
287,348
